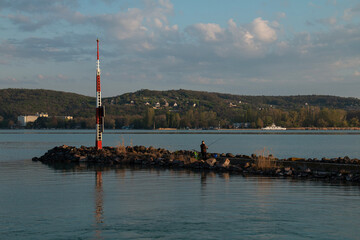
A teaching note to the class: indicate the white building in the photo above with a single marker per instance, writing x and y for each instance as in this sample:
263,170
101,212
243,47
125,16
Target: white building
24,119
232,105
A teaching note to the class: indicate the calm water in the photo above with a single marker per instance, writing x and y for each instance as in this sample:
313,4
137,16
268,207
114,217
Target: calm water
40,202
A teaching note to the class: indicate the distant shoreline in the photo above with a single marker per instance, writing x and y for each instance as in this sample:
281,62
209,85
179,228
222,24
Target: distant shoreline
190,131
215,129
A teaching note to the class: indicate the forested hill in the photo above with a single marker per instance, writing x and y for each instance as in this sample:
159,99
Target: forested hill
14,102
212,100
181,108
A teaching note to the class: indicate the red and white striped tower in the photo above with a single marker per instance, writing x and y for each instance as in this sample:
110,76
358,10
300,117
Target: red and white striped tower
100,113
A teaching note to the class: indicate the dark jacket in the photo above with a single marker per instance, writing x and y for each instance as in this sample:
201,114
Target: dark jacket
203,147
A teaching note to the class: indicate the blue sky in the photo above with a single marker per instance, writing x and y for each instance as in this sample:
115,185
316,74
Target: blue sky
242,47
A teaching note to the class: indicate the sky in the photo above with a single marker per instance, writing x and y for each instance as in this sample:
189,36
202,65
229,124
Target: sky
258,47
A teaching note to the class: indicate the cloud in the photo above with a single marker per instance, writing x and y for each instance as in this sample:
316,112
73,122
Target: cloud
349,13
207,32
8,80
328,21
122,25
263,31
140,46
35,15
280,15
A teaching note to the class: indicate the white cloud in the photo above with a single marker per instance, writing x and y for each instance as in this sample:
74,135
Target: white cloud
263,31
144,48
122,25
208,31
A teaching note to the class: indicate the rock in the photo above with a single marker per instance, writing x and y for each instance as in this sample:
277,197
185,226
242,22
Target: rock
138,161
192,160
247,165
349,177
225,164
211,161
235,168
230,155
185,159
295,159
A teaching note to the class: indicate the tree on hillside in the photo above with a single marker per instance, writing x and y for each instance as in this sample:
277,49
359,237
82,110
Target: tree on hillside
149,118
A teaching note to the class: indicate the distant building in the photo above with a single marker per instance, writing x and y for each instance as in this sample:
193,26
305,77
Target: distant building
24,119
166,104
147,103
65,117
232,105
175,105
241,125
42,114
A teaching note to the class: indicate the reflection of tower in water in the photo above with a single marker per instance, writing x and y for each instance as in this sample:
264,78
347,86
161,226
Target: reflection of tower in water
99,208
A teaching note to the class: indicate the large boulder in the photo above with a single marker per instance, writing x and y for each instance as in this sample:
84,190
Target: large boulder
211,161
225,164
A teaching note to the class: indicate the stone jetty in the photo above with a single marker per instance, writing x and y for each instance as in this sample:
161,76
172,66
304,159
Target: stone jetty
334,170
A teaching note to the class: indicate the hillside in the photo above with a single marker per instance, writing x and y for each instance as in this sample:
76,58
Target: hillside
182,108
211,100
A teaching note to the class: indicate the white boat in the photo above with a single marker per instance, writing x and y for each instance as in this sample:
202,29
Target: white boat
273,127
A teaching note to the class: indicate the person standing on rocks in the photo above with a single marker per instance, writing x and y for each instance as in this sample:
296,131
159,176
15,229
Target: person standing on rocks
203,148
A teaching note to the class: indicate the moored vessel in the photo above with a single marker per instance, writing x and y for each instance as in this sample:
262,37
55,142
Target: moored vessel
273,127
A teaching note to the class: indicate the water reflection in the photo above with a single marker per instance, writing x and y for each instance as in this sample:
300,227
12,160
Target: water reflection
257,200
99,205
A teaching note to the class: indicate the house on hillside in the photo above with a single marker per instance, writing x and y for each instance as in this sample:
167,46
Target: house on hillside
232,105
157,105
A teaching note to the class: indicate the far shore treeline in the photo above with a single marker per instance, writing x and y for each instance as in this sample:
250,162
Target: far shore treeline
147,109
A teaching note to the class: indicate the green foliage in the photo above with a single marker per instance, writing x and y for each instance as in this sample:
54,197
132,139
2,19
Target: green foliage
194,109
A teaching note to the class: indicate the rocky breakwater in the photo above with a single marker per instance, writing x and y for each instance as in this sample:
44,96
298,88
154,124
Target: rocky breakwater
337,169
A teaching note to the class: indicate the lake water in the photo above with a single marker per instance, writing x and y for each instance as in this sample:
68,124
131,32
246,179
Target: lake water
42,202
